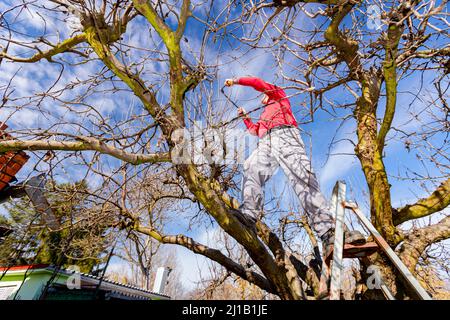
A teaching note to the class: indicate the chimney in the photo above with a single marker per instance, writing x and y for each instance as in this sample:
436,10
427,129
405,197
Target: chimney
161,280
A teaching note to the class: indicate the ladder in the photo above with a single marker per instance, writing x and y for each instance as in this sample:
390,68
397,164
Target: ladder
34,189
341,251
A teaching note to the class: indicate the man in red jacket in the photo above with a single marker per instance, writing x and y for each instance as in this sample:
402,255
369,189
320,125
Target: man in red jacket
280,144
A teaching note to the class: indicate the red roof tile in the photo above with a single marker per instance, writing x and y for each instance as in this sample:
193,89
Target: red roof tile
10,162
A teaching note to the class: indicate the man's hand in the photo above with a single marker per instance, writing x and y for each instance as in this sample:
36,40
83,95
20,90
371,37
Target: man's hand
242,113
229,82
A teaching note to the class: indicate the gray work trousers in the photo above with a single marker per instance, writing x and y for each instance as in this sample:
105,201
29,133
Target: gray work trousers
285,148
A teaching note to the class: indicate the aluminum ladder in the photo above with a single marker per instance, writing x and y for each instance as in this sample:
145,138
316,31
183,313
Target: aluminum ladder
339,205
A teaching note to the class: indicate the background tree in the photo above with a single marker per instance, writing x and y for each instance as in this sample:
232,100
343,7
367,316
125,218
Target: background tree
140,270
81,240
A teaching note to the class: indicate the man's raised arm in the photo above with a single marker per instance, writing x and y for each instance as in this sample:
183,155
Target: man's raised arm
258,84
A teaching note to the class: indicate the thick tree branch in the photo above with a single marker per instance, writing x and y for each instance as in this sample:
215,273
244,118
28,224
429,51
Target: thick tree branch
85,144
145,8
394,34
210,253
61,47
426,54
437,201
178,85
418,240
347,48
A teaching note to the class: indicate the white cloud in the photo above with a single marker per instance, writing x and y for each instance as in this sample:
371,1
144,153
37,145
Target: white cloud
25,118
339,163
105,106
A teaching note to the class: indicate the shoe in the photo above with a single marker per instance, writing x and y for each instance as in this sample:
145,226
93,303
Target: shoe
354,237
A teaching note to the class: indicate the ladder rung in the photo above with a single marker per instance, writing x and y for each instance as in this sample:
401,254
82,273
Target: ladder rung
355,251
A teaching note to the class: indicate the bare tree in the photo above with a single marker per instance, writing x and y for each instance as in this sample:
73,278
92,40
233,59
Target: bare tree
368,48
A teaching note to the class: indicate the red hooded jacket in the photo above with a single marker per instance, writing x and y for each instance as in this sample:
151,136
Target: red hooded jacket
277,111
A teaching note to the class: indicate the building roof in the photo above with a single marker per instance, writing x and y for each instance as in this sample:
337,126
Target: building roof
10,161
91,280
24,267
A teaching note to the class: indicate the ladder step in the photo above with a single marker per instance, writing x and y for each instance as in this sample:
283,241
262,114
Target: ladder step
355,251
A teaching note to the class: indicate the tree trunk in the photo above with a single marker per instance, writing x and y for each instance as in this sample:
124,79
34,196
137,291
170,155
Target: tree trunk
369,154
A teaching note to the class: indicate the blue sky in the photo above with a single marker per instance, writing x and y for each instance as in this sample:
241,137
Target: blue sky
234,60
